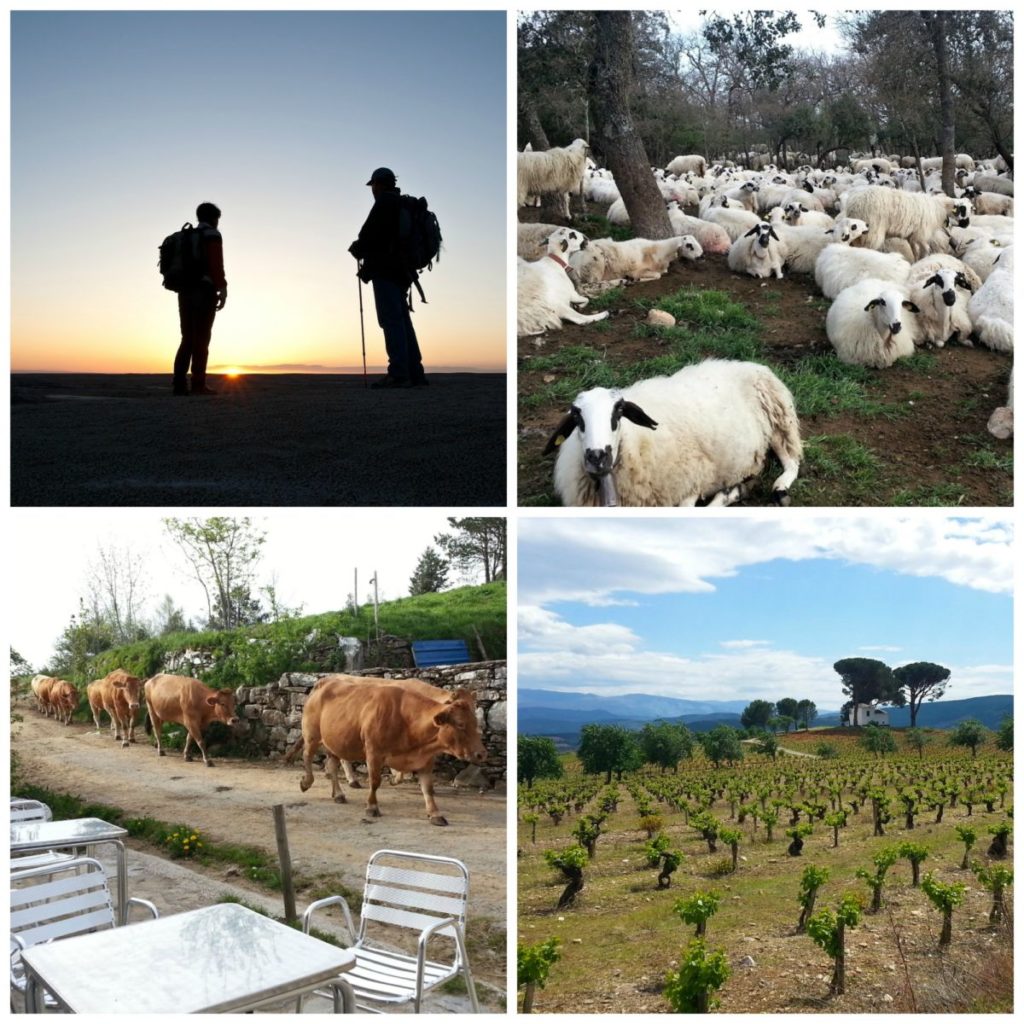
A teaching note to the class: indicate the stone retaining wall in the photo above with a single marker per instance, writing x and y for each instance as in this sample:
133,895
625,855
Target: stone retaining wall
273,713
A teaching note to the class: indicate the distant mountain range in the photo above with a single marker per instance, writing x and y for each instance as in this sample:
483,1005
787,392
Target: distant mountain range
562,715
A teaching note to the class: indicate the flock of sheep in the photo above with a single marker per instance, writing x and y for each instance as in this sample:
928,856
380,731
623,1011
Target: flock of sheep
904,264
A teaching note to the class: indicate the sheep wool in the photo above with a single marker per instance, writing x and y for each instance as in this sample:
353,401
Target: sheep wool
559,169
868,324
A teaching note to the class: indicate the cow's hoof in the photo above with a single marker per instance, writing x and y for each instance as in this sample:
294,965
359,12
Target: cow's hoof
355,784
124,744
304,785
438,819
340,799
373,812
209,764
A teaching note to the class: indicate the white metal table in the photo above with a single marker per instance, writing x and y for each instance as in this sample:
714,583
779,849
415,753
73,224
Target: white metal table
220,959
72,834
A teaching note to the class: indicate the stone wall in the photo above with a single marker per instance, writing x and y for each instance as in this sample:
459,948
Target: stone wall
273,713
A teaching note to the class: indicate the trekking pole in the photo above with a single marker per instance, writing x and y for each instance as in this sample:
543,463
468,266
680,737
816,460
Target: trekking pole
362,330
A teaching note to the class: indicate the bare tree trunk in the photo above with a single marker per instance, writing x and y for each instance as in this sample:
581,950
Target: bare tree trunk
611,87
936,22
529,123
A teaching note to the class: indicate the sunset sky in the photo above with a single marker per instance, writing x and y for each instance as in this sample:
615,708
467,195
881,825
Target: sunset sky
123,122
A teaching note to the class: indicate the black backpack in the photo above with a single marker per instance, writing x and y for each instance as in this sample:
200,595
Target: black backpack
419,237
180,262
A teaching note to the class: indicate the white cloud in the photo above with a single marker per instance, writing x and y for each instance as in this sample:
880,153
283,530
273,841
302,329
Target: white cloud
879,647
740,644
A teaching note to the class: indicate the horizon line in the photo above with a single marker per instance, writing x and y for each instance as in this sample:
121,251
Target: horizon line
310,369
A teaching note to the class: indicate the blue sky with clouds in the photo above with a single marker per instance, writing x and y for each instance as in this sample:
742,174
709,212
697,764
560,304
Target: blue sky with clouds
724,609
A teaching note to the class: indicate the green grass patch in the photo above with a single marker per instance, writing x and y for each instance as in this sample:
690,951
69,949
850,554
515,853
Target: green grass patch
692,345
606,300
823,386
839,458
930,496
707,310
596,226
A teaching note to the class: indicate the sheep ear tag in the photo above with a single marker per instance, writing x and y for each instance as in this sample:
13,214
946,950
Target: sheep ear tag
562,431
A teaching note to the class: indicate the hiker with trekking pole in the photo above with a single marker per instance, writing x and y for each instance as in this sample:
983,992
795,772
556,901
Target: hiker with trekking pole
400,238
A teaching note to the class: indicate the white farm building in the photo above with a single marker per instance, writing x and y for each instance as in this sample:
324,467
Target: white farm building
866,714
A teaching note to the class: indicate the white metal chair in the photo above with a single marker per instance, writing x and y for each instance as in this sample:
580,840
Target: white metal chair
57,901
412,891
25,811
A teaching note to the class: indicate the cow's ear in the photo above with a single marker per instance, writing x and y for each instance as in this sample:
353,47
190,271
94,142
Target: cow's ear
443,717
212,701
562,431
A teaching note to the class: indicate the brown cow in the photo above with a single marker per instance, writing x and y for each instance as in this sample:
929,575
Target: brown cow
118,694
40,687
186,702
383,723
62,697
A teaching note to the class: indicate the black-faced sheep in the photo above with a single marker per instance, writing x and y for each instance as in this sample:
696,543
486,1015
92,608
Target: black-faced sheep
702,433
758,252
940,286
532,240
559,169
545,293
868,326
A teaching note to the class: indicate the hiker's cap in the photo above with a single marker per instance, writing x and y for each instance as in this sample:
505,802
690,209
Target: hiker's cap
384,174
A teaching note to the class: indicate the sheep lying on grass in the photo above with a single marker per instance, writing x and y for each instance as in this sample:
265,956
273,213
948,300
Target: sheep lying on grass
982,254
702,433
559,169
867,324
940,287
712,237
545,294
805,245
991,306
532,240
606,263
840,266
758,253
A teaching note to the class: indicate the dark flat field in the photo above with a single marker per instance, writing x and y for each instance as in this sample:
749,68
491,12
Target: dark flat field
288,439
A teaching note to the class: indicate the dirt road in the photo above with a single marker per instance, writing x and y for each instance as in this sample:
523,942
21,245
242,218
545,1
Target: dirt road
232,803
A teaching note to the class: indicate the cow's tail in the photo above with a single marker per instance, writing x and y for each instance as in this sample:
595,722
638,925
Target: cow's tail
294,749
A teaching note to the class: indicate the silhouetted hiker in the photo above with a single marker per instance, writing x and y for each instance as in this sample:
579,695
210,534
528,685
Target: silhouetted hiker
204,290
378,249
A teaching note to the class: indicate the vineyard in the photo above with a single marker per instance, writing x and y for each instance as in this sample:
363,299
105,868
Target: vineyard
848,883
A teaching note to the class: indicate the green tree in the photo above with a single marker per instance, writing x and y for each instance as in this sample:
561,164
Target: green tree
996,879
571,862
665,744
921,681
170,618
807,712
722,744
768,743
969,733
690,988
828,929
608,748
946,899
537,758
430,575
757,714
223,553
916,854
19,666
789,708
478,546
533,964
81,640
916,739
877,740
755,39
731,837
968,836
883,860
868,681
1004,737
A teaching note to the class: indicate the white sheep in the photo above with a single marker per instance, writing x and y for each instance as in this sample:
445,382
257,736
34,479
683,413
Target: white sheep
735,222
545,293
877,164
992,183
559,169
991,306
798,213
867,325
532,240
692,163
991,204
745,194
940,287
610,263
804,245
893,214
712,237
759,252
702,433
981,256
840,266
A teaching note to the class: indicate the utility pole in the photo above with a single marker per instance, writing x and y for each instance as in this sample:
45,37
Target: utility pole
355,592
376,602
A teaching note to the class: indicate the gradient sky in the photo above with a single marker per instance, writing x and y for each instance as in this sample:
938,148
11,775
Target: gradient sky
310,555
123,122
721,609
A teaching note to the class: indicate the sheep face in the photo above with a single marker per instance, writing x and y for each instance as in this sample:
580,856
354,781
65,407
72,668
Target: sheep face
887,314
792,212
847,230
689,248
962,210
765,233
564,242
596,414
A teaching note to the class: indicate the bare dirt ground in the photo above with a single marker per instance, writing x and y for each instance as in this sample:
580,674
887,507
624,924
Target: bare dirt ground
283,439
927,455
232,803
